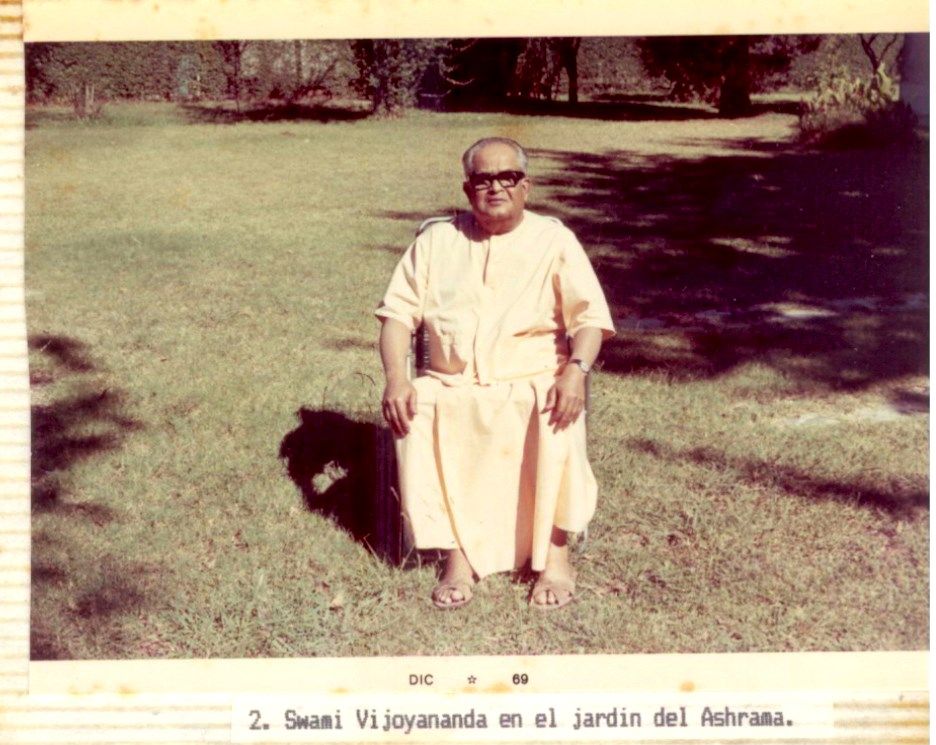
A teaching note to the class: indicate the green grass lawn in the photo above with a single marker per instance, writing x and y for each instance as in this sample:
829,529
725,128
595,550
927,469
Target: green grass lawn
759,428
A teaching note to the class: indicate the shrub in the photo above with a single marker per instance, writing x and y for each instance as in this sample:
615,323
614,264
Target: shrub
850,111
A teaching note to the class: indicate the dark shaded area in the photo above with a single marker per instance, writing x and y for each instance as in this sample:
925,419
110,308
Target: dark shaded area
343,344
47,574
660,100
62,435
620,108
69,429
120,588
271,112
118,595
390,248
910,402
698,256
860,136
42,645
902,499
356,469
417,218
67,353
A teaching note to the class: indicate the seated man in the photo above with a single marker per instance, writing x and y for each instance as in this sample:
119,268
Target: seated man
490,442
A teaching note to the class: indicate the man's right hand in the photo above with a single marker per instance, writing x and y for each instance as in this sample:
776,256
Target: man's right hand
399,405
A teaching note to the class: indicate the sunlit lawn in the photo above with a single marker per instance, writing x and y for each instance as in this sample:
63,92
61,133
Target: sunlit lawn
191,287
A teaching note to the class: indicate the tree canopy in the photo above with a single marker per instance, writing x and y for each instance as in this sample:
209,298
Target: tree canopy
395,74
723,69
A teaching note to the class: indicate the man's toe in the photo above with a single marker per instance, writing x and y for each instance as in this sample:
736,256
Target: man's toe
447,595
544,597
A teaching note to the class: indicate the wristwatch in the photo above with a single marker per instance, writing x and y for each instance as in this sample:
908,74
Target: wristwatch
581,365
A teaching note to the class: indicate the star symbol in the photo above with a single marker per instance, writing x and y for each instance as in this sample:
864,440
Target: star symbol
472,680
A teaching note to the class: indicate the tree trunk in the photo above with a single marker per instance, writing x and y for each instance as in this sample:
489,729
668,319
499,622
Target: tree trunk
734,98
571,66
572,71
297,52
237,81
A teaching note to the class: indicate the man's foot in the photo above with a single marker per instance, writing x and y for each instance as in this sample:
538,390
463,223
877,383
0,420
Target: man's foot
551,592
555,586
454,588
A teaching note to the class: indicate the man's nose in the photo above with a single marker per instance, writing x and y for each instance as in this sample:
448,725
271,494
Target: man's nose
496,186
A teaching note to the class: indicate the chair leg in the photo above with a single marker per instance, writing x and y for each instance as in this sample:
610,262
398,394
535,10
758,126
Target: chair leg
387,517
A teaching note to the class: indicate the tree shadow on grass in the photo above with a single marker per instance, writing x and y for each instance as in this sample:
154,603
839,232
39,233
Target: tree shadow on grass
220,114
66,353
661,106
417,218
89,420
901,500
622,108
910,402
344,470
111,589
72,427
814,263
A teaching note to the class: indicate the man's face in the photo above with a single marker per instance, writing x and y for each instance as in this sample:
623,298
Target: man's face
497,206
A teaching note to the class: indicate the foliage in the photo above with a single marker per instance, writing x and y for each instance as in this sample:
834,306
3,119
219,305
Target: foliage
58,72
723,69
391,72
852,110
231,54
540,65
482,71
611,66
877,52
477,71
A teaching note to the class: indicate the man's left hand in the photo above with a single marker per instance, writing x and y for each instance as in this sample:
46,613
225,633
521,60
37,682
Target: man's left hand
565,400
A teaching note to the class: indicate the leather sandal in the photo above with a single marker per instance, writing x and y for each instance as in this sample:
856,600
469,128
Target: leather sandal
464,587
562,589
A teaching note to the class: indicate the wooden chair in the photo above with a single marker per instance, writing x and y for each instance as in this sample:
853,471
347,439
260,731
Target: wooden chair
392,539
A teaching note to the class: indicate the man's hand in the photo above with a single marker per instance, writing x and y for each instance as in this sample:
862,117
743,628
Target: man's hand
566,398
399,405
399,396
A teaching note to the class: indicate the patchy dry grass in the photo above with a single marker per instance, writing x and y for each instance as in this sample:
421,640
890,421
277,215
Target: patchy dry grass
191,287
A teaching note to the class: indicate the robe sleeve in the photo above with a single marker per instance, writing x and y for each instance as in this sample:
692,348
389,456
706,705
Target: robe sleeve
406,293
583,301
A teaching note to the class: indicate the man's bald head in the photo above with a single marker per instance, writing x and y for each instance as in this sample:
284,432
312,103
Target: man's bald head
469,156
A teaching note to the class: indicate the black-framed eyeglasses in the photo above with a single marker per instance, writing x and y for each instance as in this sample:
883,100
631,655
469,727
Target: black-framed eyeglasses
507,179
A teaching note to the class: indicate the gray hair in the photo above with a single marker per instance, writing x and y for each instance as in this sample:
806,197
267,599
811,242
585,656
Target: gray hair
468,157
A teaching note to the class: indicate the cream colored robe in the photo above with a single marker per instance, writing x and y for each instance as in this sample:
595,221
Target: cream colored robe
481,469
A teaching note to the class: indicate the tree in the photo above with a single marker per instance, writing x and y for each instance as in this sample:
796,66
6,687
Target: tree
232,56
391,72
877,55
722,69
540,64
297,61
484,71
76,73
568,57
